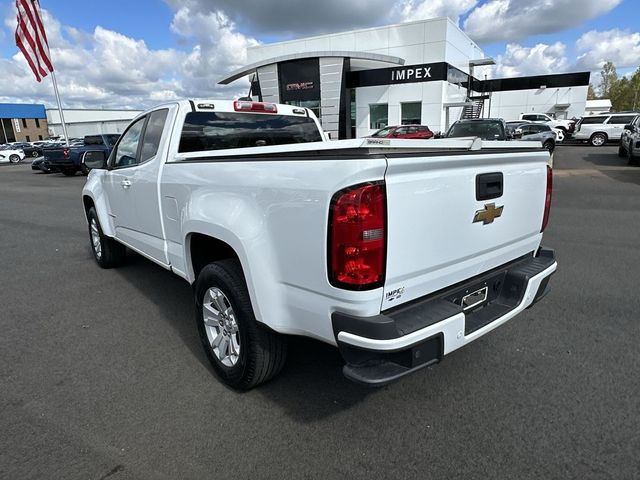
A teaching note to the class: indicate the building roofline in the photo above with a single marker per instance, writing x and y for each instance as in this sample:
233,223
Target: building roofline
246,70
358,30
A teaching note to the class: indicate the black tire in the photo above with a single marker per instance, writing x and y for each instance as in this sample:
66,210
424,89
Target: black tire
621,151
68,172
262,351
35,154
113,254
14,159
598,139
631,156
549,145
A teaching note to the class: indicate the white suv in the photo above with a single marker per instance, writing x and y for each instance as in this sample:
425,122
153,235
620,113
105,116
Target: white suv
603,128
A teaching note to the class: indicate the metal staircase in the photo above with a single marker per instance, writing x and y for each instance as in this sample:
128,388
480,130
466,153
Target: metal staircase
475,110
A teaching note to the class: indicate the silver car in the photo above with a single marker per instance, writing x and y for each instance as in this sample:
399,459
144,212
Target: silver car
537,132
603,128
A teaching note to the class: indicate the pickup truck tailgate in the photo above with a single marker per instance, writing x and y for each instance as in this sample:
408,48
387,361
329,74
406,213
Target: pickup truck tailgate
432,201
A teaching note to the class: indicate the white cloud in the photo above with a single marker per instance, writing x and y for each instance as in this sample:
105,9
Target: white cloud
107,69
219,49
621,47
422,9
513,20
537,60
295,17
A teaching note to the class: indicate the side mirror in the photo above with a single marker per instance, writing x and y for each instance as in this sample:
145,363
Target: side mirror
94,159
629,127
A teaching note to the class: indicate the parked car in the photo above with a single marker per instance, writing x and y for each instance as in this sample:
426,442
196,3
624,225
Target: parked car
630,142
396,252
67,159
567,126
28,149
31,150
484,128
512,125
602,128
537,132
404,131
8,154
40,164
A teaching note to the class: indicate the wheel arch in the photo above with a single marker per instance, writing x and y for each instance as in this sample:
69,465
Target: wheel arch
206,243
203,249
599,132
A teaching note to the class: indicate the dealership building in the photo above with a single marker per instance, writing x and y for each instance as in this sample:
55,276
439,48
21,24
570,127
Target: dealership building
86,121
425,72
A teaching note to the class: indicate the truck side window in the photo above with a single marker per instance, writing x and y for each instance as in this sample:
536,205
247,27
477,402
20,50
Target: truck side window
126,153
153,134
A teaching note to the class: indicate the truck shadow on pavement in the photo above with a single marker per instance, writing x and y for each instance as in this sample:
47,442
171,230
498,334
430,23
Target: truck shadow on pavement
311,385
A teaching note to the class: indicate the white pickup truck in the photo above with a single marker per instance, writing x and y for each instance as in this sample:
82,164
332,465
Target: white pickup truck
566,126
398,252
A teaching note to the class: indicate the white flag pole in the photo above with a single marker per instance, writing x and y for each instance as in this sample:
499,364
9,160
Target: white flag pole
64,125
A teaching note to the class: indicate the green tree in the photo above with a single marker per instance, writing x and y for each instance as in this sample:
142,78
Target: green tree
609,78
591,93
624,92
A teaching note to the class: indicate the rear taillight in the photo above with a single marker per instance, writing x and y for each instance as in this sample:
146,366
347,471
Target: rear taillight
547,198
357,237
246,106
65,153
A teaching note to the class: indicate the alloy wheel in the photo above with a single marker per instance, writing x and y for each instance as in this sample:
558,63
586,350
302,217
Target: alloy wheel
95,239
221,327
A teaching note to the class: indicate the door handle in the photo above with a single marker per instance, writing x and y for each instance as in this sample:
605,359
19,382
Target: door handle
125,183
489,186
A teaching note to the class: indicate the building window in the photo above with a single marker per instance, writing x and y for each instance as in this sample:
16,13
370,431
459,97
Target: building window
37,123
378,116
411,113
313,105
40,137
28,138
24,123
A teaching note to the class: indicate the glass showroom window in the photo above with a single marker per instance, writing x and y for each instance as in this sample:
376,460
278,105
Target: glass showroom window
378,116
411,113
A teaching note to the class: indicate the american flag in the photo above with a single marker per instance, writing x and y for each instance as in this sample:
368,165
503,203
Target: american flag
31,38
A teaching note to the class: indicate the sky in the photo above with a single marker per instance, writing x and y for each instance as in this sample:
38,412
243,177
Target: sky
138,53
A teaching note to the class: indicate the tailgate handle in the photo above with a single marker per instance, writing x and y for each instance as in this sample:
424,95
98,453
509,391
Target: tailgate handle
489,186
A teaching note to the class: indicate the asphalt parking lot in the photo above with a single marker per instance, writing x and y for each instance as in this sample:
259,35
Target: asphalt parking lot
102,374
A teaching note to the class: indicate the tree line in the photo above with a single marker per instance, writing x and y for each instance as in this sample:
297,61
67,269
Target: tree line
624,92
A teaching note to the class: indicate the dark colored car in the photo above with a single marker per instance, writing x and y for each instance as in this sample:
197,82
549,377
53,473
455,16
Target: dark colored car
630,142
29,149
485,128
497,129
404,131
67,160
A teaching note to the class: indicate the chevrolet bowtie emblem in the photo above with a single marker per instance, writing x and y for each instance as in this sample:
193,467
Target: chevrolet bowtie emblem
488,214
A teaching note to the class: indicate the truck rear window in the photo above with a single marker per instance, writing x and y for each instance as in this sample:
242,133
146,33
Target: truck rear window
93,140
221,130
